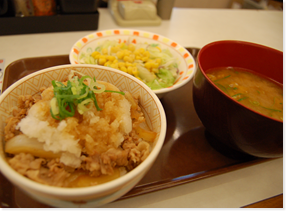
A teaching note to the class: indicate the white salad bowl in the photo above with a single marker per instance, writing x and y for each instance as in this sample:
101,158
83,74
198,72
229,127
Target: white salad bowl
92,196
186,62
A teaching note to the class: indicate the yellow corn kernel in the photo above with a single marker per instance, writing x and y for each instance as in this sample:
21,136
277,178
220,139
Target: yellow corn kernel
104,51
144,59
128,64
111,58
134,64
138,78
131,58
158,60
137,57
101,61
154,65
151,64
120,54
95,54
114,65
141,50
155,70
122,45
107,63
114,49
126,58
135,71
159,48
127,52
131,47
123,68
121,64
129,70
147,65
147,54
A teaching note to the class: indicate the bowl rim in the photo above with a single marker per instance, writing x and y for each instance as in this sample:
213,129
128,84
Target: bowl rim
158,91
91,190
237,42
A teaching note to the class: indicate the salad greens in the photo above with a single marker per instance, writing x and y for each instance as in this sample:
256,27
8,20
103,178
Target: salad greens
156,67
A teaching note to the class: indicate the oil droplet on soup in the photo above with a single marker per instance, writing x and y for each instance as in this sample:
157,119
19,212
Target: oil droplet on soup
256,92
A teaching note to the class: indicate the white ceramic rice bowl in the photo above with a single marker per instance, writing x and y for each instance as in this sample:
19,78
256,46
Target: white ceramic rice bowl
86,196
187,65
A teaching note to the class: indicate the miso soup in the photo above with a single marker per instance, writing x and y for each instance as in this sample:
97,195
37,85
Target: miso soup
256,92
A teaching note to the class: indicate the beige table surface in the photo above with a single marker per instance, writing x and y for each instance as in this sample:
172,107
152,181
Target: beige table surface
190,28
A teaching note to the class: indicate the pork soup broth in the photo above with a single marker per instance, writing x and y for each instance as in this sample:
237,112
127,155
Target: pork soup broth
256,92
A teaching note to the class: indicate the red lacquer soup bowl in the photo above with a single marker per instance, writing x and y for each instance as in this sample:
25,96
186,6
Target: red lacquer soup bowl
231,123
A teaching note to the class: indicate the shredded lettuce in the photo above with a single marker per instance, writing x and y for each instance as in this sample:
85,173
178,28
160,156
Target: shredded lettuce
145,74
166,79
167,71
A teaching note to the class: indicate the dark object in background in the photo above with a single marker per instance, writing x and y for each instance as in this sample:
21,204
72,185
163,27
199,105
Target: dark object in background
103,3
3,7
45,24
6,8
44,7
59,22
78,6
229,122
23,8
165,8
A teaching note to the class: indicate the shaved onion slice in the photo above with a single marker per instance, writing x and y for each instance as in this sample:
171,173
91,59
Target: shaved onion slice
22,143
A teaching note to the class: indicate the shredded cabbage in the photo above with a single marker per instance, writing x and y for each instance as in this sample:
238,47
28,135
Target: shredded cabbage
164,75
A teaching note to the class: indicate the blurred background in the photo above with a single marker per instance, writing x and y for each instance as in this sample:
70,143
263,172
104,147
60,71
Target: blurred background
52,7
39,16
234,4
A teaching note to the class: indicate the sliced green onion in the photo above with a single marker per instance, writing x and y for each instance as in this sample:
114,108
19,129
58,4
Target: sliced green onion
54,106
274,110
65,104
236,95
95,101
222,88
83,78
75,95
242,98
85,94
222,78
94,87
122,93
81,108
